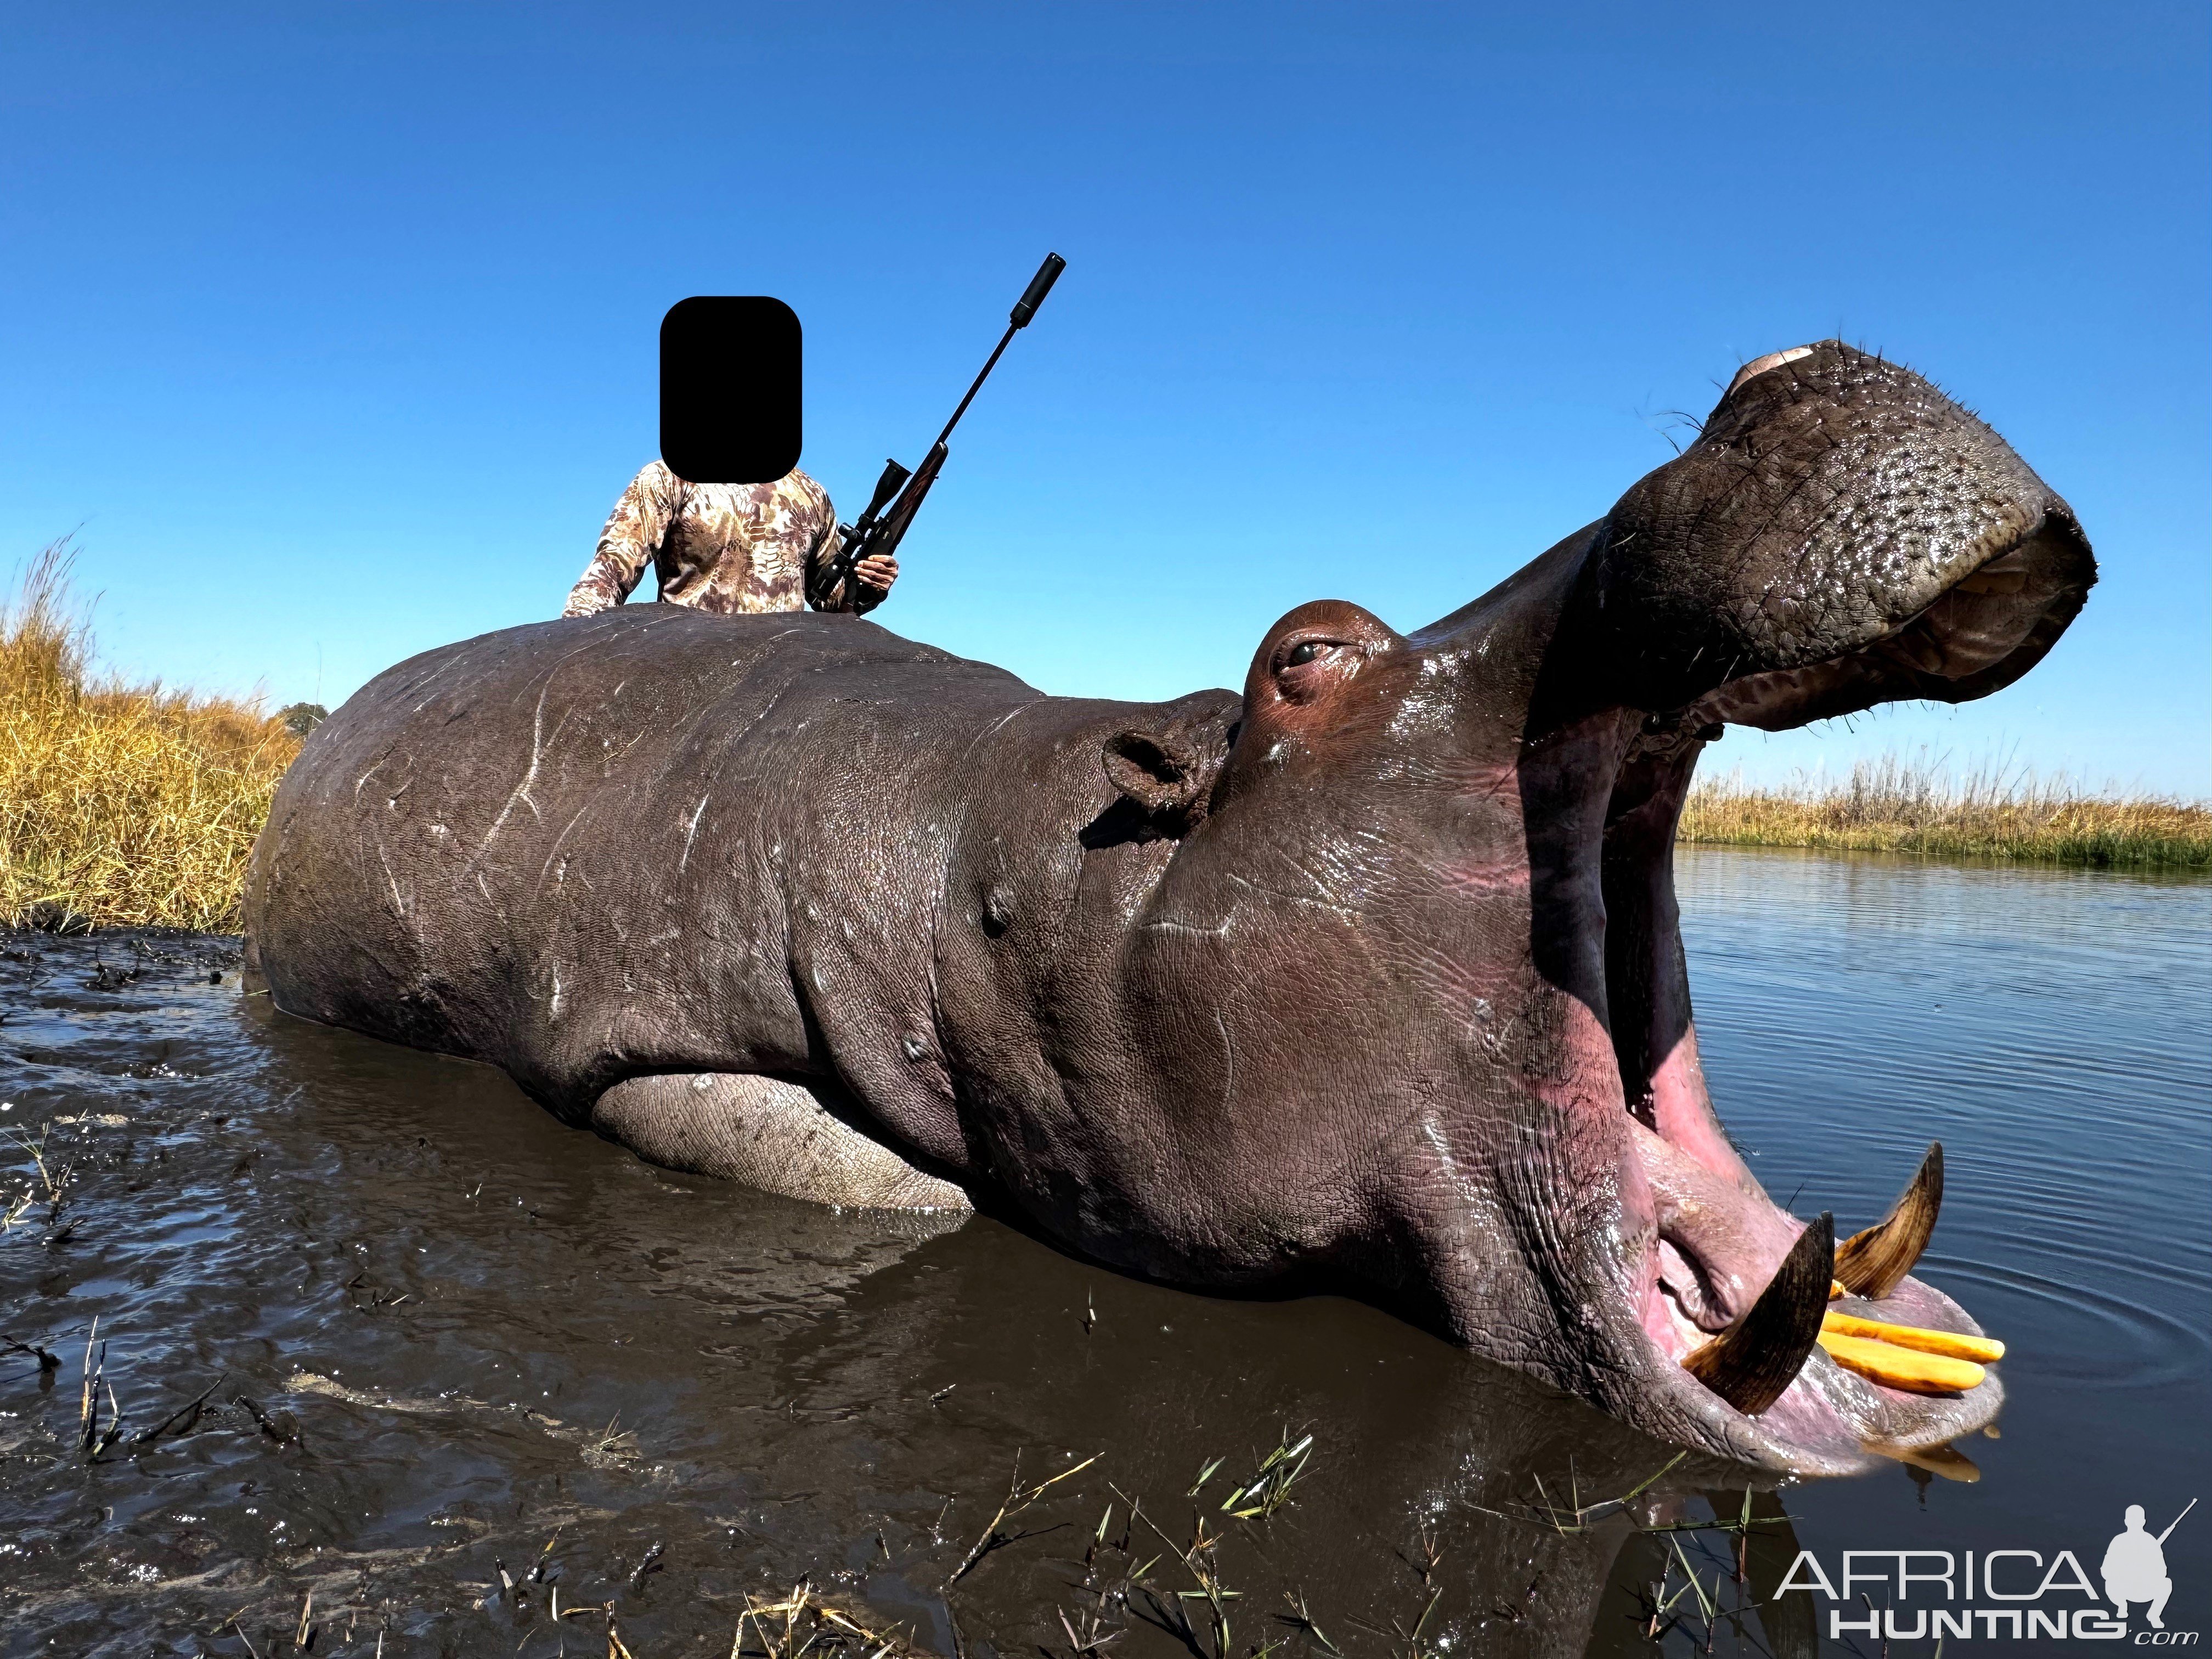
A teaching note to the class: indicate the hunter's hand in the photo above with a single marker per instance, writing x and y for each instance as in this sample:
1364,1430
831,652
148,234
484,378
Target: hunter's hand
877,572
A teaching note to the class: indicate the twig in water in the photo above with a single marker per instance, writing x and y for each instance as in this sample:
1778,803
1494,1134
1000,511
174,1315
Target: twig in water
1098,1540
1198,1561
88,1417
114,1428
48,1360
1412,1639
190,1410
1704,1603
832,1627
1577,1516
233,1622
1080,1645
1302,1621
1433,1555
1016,1501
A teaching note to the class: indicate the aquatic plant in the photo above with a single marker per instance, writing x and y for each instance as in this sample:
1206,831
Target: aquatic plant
1919,803
120,804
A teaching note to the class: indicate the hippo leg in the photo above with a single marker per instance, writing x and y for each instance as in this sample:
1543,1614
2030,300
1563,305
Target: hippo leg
766,1134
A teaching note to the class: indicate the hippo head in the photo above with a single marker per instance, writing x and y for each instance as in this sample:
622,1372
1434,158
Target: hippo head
1415,956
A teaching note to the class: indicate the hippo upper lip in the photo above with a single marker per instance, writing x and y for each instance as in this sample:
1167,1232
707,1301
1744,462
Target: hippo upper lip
1980,629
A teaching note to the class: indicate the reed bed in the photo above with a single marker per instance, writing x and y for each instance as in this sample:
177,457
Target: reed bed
120,804
1919,804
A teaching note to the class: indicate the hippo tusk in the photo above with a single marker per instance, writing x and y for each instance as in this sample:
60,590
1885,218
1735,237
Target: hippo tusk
1982,1350
1751,1363
1870,1263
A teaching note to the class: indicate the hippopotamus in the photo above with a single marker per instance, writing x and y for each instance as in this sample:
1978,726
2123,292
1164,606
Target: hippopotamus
1363,980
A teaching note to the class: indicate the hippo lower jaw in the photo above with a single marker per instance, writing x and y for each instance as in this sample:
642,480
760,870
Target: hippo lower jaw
1718,1240
1829,1420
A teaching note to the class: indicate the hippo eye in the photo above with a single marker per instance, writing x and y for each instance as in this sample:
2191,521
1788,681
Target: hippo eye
1306,651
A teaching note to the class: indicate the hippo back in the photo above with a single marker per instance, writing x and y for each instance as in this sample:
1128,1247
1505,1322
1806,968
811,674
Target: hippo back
560,847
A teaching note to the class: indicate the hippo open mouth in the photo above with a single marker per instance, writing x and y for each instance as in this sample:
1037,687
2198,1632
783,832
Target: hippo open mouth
1731,1291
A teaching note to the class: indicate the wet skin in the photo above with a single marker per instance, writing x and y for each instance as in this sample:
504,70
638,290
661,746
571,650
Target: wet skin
1367,980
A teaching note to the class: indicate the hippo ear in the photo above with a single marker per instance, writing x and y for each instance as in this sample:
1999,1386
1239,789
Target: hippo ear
1165,767
1162,771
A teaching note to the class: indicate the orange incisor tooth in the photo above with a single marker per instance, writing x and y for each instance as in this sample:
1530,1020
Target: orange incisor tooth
1983,1350
1901,1368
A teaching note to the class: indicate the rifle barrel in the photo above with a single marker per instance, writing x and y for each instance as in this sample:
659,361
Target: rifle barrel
1024,308
871,535
977,387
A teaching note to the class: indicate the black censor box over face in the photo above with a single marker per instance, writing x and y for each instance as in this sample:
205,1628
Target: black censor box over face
729,399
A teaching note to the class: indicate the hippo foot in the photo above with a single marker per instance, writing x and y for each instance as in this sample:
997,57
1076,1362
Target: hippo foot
766,1134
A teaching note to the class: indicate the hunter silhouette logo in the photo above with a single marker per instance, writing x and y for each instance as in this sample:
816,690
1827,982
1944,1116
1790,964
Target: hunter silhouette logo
2135,1566
2001,1595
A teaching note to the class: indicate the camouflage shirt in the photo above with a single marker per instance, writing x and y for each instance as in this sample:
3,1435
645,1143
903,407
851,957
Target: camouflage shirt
723,548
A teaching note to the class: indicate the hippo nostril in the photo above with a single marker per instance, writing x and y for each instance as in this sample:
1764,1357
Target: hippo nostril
1760,365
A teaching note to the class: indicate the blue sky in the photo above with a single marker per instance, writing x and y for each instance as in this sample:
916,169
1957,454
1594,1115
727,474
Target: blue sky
330,328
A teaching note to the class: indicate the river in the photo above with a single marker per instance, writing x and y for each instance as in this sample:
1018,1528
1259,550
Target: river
462,1361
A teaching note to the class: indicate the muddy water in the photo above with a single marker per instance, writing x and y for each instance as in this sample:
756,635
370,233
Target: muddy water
449,1338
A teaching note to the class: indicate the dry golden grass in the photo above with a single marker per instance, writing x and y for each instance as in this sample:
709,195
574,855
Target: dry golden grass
119,805
1894,805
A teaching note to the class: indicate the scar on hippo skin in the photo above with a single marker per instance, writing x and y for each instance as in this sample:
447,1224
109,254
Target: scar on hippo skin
766,1134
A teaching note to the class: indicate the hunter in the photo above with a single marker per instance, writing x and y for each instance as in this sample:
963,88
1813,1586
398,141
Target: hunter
727,548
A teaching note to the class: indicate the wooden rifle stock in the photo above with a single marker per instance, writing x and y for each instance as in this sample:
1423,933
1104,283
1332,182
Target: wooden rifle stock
892,529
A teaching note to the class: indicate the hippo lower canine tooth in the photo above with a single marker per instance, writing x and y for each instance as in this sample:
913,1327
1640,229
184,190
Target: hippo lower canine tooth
1870,1263
1754,1361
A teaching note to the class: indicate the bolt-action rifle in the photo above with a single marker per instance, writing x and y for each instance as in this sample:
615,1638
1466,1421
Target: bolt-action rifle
879,530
